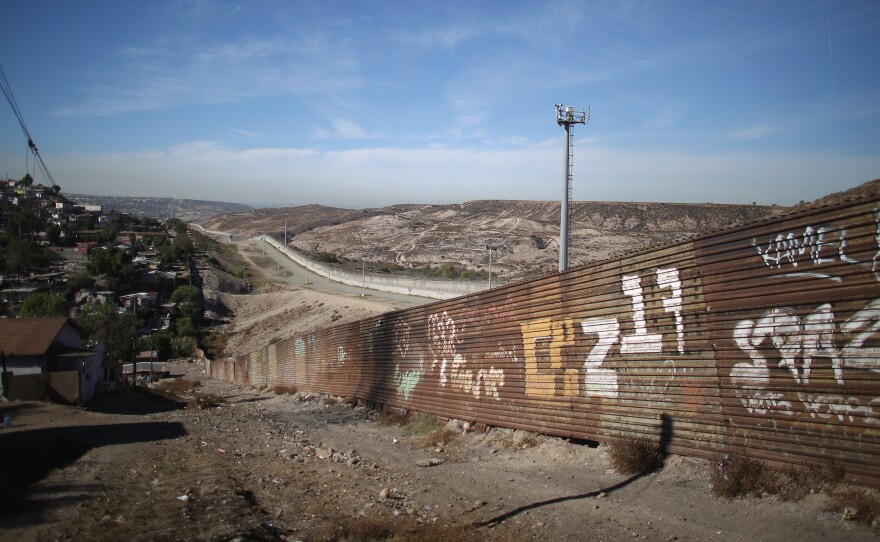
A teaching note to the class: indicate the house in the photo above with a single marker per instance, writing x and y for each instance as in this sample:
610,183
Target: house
133,302
43,359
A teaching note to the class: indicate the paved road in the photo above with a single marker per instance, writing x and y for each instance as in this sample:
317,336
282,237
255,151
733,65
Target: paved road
300,275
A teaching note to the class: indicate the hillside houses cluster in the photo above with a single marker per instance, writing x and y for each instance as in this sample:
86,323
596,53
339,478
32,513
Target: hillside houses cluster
44,357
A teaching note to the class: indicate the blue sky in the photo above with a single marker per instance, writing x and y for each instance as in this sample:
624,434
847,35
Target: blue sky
363,104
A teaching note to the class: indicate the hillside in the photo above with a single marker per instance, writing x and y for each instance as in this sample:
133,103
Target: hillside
525,233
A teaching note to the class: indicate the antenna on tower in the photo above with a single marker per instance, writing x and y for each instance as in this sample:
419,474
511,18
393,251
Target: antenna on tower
565,117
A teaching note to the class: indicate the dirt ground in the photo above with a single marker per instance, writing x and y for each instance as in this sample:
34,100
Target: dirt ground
198,459
221,462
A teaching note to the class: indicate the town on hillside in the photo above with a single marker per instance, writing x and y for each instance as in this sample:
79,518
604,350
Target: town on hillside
89,297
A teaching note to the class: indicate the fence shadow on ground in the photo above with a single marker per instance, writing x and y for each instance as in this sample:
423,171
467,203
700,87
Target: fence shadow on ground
663,444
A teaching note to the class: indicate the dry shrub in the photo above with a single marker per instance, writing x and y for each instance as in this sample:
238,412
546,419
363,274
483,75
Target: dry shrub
421,424
503,438
440,437
285,389
856,504
635,455
510,440
736,476
528,441
390,418
822,478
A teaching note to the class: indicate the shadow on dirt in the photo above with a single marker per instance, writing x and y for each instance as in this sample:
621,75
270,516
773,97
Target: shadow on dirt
663,444
29,455
136,401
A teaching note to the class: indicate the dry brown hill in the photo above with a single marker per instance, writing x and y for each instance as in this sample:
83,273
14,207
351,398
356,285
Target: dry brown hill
524,232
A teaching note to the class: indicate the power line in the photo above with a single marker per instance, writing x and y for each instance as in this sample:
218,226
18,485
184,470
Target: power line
38,160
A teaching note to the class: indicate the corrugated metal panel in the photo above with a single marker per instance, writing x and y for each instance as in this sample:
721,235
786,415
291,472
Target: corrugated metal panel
793,319
757,340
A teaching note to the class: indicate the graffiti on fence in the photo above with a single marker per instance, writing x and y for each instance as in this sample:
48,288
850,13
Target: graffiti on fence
798,344
545,341
813,247
444,340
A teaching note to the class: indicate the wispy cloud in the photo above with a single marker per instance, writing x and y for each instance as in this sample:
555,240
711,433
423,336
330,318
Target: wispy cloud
755,131
345,129
245,133
163,75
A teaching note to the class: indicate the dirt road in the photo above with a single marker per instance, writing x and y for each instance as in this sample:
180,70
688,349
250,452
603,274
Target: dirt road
225,463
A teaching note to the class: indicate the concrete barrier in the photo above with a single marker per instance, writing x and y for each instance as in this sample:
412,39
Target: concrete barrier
434,289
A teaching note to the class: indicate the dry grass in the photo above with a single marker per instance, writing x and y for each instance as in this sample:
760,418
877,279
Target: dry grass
440,437
421,424
389,418
856,504
736,476
514,440
636,455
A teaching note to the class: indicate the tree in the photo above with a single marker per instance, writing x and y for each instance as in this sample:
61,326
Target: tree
101,322
26,181
23,255
115,264
183,327
189,305
41,304
186,293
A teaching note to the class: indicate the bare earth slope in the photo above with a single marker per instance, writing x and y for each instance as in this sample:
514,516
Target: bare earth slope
525,233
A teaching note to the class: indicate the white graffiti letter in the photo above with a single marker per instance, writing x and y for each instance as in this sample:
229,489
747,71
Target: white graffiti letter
668,278
600,382
864,323
819,342
640,342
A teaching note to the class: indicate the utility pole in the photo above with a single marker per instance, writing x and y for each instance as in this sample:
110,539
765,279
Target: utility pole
565,117
490,249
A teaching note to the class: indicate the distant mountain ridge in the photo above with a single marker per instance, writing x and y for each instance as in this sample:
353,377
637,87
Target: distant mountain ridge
189,210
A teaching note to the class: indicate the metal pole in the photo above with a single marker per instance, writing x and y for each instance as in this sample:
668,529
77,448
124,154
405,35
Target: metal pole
490,267
563,214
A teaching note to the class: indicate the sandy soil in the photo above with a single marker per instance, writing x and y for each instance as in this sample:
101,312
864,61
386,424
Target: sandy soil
261,466
277,310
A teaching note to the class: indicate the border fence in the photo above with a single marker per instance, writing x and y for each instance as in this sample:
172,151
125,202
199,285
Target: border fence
761,340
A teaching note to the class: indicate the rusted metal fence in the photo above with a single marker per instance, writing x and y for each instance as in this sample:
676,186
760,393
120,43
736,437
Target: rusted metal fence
759,340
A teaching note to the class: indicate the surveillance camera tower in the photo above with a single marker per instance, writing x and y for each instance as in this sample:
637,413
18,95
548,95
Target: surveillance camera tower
565,117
